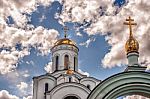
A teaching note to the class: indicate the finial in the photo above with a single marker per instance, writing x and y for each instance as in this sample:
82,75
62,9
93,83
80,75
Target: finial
132,44
129,22
65,31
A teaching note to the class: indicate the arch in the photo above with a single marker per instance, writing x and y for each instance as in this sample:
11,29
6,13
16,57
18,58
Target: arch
46,76
57,62
66,61
126,83
69,89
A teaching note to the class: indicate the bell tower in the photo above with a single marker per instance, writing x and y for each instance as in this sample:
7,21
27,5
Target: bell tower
64,54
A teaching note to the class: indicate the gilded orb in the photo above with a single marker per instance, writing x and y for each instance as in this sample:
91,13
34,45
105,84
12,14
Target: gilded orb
132,45
69,72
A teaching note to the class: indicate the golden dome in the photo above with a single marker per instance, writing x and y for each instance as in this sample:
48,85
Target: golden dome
131,45
65,41
69,72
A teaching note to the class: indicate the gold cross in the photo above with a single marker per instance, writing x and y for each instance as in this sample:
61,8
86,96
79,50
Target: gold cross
65,31
129,22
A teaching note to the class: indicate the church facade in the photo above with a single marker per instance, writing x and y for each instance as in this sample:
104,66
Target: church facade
65,82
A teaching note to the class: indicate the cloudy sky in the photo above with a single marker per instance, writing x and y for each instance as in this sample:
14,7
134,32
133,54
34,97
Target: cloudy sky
29,28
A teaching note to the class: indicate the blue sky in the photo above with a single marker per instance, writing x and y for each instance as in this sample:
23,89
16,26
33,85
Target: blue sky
104,44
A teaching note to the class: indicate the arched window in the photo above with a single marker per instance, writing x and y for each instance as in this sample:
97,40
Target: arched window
71,97
88,86
57,62
69,79
66,61
46,87
75,62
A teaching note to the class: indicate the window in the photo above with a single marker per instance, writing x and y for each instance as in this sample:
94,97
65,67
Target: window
75,62
46,87
69,79
88,86
66,61
57,62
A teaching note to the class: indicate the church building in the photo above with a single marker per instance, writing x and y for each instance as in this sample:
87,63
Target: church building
65,82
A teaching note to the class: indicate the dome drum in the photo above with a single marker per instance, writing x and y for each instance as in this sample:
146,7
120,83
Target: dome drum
63,47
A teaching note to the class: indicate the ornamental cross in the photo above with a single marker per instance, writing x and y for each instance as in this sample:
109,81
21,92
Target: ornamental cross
130,23
65,31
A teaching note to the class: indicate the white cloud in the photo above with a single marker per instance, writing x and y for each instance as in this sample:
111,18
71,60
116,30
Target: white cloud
39,37
84,73
30,62
48,67
22,33
25,90
106,17
114,57
42,18
80,10
26,6
148,68
5,95
135,97
16,76
86,43
7,61
79,34
25,73
18,82
28,97
22,85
